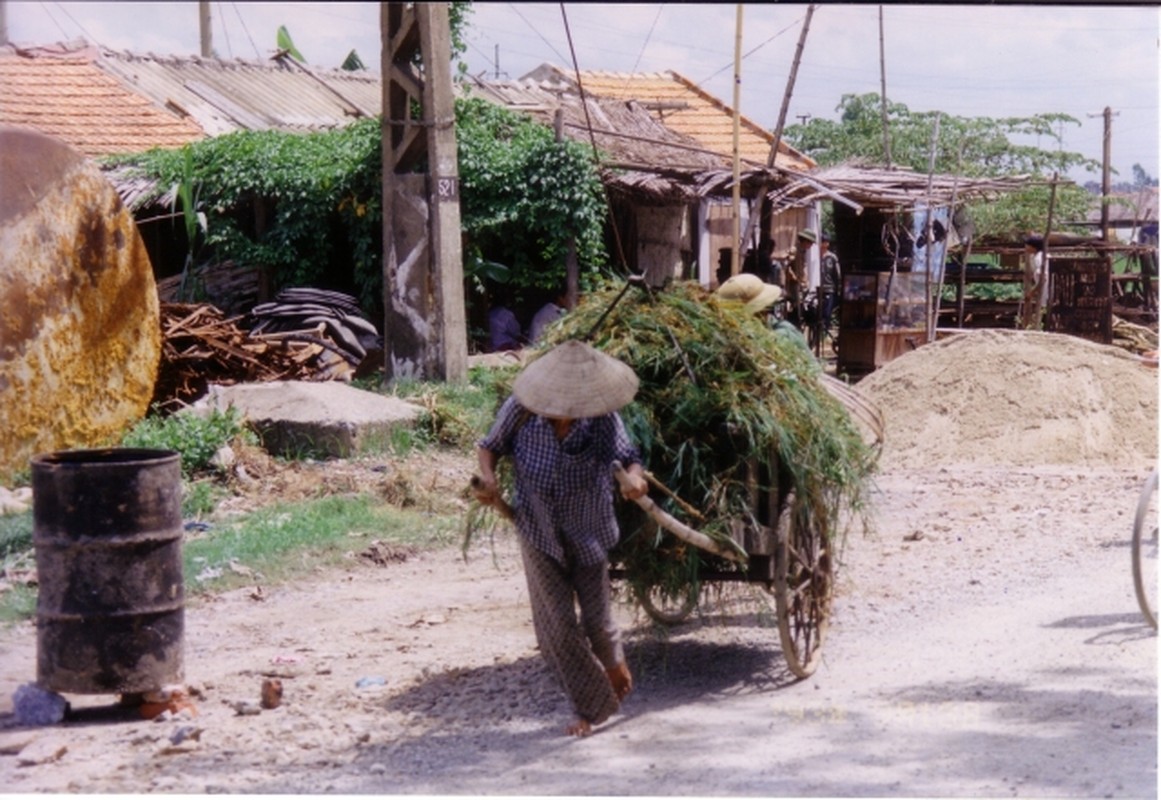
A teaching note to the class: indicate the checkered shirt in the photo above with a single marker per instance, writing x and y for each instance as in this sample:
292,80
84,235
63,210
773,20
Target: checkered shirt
564,489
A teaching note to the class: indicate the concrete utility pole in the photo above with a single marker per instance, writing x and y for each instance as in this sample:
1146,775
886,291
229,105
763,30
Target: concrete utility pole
425,326
205,28
1106,172
3,22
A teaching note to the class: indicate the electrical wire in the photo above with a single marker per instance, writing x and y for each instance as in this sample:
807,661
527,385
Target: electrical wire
64,11
645,44
242,22
225,31
551,46
593,138
63,32
752,51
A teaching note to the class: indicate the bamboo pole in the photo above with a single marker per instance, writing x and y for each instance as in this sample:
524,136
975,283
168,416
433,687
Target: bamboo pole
883,91
735,252
787,93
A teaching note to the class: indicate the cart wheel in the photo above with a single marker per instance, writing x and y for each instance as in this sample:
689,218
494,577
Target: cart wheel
667,610
802,588
1145,550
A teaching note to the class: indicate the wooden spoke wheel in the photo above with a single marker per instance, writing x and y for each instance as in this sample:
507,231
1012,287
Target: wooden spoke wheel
803,589
665,609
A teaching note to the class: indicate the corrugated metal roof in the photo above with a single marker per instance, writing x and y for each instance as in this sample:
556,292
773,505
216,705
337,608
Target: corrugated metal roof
61,93
224,95
684,107
630,140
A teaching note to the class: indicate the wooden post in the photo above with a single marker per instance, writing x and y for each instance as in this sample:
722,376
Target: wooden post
943,267
883,91
1039,304
927,243
205,29
735,251
1106,178
425,326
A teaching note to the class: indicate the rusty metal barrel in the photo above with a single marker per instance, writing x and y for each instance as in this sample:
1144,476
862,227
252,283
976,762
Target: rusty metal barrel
107,530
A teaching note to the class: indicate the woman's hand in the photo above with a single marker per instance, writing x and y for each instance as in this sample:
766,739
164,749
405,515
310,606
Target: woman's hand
484,486
636,485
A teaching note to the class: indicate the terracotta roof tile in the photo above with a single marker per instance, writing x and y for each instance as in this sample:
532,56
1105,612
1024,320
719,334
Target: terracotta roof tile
67,97
683,106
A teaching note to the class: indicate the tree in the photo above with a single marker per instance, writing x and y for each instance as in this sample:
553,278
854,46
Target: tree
524,195
1141,178
973,147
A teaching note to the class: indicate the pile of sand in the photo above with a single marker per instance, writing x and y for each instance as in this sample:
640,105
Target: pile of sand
1016,398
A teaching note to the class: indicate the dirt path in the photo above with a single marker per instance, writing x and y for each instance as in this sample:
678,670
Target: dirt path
985,641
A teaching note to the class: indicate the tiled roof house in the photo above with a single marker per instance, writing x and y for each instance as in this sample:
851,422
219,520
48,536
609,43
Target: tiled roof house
62,93
682,106
105,102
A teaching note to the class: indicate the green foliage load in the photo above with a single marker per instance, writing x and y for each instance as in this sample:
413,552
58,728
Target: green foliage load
717,390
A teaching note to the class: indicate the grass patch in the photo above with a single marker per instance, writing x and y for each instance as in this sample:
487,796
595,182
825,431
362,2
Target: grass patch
283,541
15,533
271,545
196,437
457,414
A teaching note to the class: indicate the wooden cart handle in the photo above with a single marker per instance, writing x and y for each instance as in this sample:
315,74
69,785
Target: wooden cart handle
679,529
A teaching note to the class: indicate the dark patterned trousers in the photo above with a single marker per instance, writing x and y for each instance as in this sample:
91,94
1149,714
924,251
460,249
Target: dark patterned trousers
578,651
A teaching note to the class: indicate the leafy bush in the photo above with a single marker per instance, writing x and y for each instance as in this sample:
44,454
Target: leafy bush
194,436
524,196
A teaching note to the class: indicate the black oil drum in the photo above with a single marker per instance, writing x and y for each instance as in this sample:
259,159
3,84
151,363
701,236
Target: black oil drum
107,532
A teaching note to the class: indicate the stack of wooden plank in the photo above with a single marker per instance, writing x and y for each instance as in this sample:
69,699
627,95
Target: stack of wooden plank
201,346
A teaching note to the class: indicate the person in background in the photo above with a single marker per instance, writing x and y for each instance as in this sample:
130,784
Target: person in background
562,431
551,311
504,331
772,271
831,279
757,298
1035,282
796,275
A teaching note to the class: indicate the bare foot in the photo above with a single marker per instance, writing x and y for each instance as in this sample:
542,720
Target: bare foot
580,727
620,679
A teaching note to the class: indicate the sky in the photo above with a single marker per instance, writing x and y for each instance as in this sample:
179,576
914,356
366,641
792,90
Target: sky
981,60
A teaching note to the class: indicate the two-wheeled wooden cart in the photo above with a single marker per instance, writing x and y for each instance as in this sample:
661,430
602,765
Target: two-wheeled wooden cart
789,550
787,555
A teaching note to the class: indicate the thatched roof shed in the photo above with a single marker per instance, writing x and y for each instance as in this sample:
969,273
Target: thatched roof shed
895,188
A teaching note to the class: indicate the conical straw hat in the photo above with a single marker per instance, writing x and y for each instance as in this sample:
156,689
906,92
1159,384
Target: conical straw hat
574,381
751,290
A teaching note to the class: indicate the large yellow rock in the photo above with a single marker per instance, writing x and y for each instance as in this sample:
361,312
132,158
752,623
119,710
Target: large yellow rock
80,336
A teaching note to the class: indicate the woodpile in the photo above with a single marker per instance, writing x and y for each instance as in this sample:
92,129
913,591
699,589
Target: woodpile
1135,338
289,339
226,285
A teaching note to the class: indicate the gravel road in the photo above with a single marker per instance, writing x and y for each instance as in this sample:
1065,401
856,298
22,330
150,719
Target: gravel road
985,642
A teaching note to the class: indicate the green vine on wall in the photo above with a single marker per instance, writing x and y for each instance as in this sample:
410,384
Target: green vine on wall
304,204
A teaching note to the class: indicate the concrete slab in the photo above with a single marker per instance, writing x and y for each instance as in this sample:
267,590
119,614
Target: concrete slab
328,419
